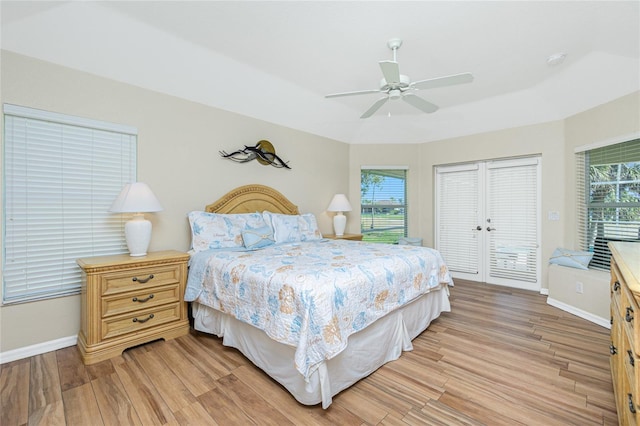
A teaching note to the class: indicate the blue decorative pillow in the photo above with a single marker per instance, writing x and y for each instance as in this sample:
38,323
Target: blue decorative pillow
258,238
570,258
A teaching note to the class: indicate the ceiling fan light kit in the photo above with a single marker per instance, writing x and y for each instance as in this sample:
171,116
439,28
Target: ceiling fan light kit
399,86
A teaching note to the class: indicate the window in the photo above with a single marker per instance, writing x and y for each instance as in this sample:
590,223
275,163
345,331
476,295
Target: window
383,195
61,175
608,189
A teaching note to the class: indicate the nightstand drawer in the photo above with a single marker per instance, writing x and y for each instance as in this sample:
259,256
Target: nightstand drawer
140,320
140,278
151,297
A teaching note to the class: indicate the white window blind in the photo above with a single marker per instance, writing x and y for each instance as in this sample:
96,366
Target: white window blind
383,195
61,174
513,205
608,198
457,217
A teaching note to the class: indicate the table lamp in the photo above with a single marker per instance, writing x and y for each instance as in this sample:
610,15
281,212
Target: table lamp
138,199
339,204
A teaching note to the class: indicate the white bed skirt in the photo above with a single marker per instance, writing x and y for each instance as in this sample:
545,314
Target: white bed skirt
369,349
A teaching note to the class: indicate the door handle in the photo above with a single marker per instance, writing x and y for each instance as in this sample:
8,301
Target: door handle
477,228
490,229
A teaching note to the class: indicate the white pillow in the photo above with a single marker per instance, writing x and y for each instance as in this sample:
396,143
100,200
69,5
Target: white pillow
292,228
214,230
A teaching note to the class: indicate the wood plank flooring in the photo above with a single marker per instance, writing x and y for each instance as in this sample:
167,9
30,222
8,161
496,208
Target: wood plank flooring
501,357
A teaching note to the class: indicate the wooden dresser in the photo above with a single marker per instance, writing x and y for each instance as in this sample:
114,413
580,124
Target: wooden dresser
625,335
127,301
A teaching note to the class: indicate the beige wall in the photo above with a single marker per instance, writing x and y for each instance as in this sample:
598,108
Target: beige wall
544,139
178,144
554,141
178,157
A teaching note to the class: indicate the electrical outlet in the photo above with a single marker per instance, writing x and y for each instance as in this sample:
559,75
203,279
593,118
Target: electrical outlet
579,287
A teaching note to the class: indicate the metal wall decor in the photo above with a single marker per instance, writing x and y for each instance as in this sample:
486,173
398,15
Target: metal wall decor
263,151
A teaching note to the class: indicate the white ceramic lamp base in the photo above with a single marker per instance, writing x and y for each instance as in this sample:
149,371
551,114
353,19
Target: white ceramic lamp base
339,223
137,232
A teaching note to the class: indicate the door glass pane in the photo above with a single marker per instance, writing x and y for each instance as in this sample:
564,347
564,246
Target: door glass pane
512,203
457,219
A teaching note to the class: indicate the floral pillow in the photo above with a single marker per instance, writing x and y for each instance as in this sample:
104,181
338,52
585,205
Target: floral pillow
293,228
214,231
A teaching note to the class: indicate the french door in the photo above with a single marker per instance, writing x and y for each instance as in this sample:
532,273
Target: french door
488,221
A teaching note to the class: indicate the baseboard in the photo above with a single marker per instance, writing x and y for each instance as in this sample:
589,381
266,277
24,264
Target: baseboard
40,348
603,322
544,291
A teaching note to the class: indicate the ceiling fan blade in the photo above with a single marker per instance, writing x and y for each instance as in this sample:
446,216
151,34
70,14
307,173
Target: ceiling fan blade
442,81
376,106
419,103
391,71
359,92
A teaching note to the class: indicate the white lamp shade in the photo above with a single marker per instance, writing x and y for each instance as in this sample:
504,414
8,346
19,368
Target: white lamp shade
339,203
136,198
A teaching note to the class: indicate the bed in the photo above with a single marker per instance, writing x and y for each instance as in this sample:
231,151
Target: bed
316,315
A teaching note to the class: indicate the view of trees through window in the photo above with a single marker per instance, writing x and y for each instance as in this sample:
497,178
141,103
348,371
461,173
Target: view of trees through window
613,205
383,216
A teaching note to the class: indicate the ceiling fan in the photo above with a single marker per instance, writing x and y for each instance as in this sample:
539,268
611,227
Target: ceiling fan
398,86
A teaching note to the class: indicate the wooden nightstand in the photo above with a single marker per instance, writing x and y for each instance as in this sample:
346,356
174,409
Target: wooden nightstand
355,237
127,301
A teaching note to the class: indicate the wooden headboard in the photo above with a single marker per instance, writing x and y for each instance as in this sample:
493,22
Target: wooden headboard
253,198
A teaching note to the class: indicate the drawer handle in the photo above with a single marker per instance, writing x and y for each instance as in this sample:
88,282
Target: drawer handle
612,349
616,286
629,316
143,280
631,360
146,299
143,320
632,408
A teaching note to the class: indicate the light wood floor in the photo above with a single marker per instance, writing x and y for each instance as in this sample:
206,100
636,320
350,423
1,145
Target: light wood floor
501,357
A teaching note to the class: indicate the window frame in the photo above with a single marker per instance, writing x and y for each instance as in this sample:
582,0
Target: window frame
390,172
593,234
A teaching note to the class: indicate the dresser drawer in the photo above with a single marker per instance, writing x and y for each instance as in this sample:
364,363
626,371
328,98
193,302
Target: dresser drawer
140,278
630,311
140,320
150,297
628,406
616,286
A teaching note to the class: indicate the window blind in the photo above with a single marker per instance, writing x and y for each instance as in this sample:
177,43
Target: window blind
61,175
608,198
383,195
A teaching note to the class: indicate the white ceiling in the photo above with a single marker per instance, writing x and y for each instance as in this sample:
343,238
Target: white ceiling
275,61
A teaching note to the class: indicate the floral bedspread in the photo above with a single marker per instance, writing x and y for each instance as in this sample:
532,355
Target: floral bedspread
313,295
